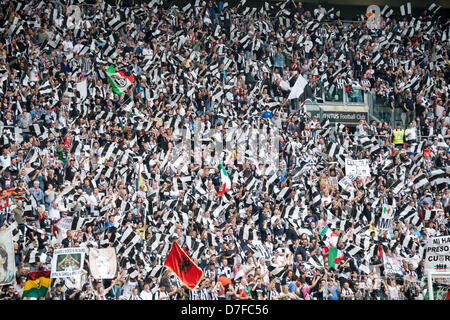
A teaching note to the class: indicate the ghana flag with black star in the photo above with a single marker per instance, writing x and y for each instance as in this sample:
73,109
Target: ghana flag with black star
185,269
37,284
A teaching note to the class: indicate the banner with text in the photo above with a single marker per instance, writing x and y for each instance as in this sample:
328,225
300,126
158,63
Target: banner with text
392,265
68,262
437,257
347,181
357,168
386,219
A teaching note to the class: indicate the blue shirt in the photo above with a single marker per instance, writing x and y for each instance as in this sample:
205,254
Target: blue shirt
282,178
39,196
334,293
279,60
293,287
267,115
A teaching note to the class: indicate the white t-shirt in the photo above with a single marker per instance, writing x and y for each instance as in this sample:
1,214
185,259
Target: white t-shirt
160,295
410,134
128,287
67,45
92,200
438,111
146,295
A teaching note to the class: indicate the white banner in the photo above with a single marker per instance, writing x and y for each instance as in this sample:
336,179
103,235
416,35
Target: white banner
386,219
357,168
68,262
346,181
102,263
392,265
7,260
437,257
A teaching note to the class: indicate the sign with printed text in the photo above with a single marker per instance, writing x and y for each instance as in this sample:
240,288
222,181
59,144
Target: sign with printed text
347,181
437,258
344,117
386,219
357,168
392,265
68,262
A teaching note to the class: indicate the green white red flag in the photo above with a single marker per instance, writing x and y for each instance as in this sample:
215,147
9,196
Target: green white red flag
225,179
118,80
335,257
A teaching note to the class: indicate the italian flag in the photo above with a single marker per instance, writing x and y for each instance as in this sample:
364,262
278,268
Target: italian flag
226,182
335,256
118,80
326,231
330,237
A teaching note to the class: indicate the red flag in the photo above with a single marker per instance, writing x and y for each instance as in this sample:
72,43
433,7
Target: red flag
185,269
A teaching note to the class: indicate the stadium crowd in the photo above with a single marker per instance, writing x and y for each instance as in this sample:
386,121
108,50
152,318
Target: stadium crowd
72,147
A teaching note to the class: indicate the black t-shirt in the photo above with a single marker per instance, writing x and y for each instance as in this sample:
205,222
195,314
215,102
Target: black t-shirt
419,108
409,103
45,224
70,292
229,253
29,214
70,173
41,241
66,242
259,293
53,181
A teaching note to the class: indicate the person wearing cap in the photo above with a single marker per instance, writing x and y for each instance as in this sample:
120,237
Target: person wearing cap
56,293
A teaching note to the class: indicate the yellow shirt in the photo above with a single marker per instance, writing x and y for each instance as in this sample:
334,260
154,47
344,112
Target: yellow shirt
141,232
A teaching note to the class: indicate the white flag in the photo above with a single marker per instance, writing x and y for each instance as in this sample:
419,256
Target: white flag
82,89
298,87
103,263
